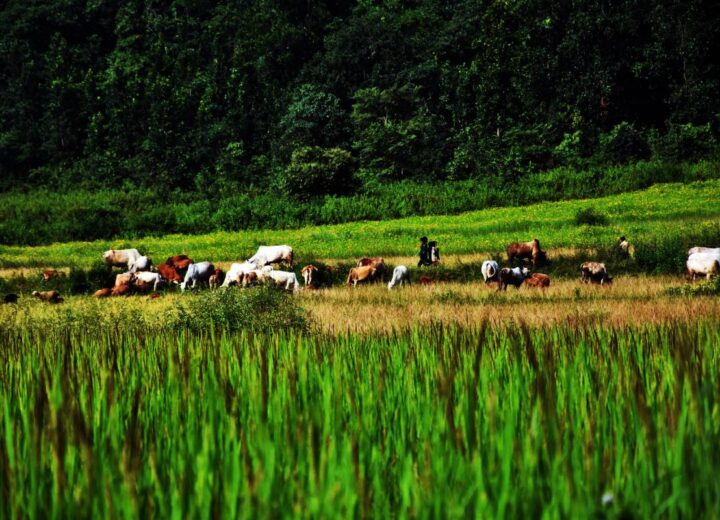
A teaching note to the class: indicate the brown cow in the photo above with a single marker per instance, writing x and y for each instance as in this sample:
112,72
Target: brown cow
250,278
378,263
426,280
216,279
527,250
102,293
169,273
48,296
121,290
49,274
154,296
179,262
307,273
360,274
539,280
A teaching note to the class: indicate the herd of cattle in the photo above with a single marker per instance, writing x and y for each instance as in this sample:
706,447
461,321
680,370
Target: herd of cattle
140,275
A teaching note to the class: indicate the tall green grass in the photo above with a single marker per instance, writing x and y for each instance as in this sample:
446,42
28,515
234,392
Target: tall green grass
431,422
43,217
661,222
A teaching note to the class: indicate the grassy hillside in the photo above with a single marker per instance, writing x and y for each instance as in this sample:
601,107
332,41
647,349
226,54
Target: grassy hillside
668,215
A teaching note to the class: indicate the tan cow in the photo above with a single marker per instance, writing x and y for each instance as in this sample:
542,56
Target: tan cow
102,293
539,280
360,274
124,279
48,296
378,263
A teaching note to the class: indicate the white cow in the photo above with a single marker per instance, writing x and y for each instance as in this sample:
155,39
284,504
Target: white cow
286,278
490,271
141,264
148,277
705,264
199,272
711,250
272,254
236,272
121,257
399,277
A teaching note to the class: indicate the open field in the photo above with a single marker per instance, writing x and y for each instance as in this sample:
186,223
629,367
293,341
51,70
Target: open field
448,400
644,217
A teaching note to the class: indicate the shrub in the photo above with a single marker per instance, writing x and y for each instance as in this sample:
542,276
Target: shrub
623,144
317,171
590,217
684,143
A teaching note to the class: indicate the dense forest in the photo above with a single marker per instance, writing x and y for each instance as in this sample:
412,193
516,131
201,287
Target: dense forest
305,100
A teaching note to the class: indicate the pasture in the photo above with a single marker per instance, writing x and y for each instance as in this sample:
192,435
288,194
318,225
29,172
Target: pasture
442,400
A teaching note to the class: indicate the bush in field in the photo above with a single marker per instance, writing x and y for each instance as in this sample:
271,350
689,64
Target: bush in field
315,171
623,144
684,143
590,217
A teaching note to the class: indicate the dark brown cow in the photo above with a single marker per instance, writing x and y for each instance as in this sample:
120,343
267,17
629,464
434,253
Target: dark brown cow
179,262
169,273
539,280
527,250
10,298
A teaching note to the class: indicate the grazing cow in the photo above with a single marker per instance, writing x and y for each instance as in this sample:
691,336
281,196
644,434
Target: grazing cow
237,272
703,264
527,250
196,273
10,298
170,273
271,255
102,293
121,290
286,278
626,249
141,264
121,257
594,272
490,271
360,274
426,280
399,277
250,278
49,274
216,279
378,263
145,279
539,280
698,249
179,262
124,278
48,296
307,273
514,277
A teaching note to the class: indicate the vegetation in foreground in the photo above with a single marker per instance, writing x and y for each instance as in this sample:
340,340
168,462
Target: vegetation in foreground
573,421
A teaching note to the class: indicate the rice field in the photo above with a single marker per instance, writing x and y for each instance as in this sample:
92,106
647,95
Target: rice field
431,421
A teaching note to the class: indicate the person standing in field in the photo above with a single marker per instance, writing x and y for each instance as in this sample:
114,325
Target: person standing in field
434,253
424,252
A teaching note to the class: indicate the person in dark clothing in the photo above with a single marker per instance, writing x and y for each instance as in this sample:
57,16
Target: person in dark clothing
424,252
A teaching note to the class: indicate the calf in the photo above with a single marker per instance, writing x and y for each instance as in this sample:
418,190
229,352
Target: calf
237,272
307,273
399,277
48,296
102,293
539,280
514,277
124,279
179,262
426,280
144,280
49,274
216,279
121,290
286,278
594,272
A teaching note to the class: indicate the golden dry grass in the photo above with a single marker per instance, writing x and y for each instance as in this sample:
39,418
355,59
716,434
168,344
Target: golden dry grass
629,301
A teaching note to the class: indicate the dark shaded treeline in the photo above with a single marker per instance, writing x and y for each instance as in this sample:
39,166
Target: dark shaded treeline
325,97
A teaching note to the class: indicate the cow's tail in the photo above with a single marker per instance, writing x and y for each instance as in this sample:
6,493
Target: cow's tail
347,283
291,258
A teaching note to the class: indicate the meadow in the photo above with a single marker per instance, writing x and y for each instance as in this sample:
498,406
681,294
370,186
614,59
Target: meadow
447,400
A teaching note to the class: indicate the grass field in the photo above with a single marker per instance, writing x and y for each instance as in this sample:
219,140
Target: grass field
643,216
448,400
